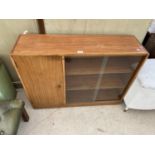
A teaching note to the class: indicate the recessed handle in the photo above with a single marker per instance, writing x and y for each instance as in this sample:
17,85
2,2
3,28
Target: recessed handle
58,85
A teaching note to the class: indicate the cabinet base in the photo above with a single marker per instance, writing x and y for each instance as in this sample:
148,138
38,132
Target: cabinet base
81,104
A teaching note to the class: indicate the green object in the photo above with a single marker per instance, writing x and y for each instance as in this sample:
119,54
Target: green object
7,90
10,115
10,108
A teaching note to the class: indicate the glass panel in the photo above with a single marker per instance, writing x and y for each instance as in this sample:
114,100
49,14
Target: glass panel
90,79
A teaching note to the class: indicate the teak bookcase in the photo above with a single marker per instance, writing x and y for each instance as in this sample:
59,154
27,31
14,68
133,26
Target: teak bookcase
73,70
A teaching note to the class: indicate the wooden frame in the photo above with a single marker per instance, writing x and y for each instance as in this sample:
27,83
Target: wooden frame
46,48
41,26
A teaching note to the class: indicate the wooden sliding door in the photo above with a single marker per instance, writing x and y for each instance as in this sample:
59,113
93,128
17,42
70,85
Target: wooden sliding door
42,78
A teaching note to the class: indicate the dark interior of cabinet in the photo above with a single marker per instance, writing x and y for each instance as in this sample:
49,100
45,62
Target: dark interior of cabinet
90,79
149,44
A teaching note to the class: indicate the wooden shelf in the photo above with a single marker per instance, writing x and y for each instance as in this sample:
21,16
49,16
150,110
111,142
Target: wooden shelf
89,82
113,94
90,66
87,95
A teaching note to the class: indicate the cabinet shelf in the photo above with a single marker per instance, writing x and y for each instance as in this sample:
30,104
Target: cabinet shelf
90,66
89,82
87,95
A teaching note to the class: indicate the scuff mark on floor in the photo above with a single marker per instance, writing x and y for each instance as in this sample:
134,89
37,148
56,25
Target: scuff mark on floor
100,130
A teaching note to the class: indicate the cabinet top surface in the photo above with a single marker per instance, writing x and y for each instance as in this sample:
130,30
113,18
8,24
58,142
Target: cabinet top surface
77,45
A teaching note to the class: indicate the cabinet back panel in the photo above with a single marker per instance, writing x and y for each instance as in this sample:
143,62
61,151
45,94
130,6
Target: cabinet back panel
43,79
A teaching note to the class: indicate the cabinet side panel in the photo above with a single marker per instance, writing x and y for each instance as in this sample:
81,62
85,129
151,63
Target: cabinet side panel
42,77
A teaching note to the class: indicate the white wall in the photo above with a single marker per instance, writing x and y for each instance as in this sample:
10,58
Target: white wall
9,31
99,26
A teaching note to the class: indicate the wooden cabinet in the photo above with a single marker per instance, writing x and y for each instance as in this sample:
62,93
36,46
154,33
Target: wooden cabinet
72,70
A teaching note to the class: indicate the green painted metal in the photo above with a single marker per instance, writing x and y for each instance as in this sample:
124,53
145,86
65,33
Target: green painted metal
7,90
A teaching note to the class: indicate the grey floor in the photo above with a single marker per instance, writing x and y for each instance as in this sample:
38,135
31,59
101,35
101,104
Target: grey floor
86,120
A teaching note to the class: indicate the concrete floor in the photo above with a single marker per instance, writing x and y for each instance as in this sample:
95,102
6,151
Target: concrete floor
86,120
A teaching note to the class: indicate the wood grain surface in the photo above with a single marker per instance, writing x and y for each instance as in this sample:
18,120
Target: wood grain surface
43,79
77,45
51,68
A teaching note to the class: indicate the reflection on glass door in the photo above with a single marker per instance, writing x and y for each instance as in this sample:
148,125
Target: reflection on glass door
90,79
